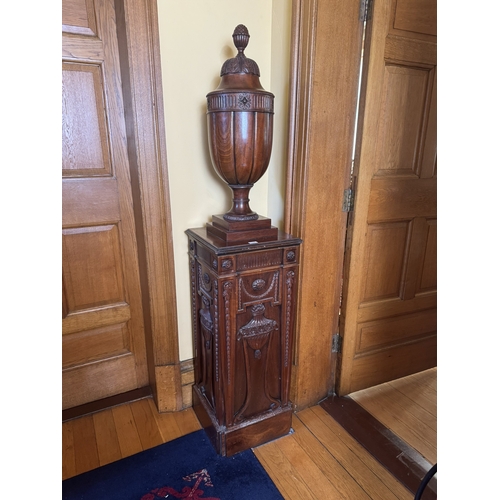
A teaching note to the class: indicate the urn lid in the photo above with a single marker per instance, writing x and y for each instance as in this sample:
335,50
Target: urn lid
240,73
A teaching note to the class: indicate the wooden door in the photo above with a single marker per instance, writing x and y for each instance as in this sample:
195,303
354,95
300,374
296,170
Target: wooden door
103,345
388,319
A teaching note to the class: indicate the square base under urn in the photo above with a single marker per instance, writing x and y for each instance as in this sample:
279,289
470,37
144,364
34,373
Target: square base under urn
242,231
228,441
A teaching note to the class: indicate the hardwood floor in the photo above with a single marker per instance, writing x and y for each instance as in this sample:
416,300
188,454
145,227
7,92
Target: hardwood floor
319,460
413,422
408,407
95,440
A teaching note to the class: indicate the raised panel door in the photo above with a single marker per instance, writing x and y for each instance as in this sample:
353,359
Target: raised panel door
388,316
103,344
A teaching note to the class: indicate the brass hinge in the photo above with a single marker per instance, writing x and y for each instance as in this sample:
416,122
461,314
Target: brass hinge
348,203
337,343
365,10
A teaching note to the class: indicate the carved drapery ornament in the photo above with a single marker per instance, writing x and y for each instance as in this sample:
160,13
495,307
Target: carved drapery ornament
255,336
257,330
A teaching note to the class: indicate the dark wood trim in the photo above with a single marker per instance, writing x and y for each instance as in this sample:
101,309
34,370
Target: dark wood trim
292,110
187,381
138,37
401,460
102,404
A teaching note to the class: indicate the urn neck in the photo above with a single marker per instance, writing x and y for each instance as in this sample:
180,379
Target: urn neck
241,210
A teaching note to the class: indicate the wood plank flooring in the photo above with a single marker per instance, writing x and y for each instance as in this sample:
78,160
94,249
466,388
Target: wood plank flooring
407,406
319,460
95,440
343,469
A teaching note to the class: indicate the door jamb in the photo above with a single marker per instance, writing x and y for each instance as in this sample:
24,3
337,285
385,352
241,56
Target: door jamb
326,38
365,58
139,46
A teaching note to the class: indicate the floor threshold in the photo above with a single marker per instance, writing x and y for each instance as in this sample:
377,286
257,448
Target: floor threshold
405,463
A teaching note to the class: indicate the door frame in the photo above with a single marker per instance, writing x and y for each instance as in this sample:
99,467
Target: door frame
139,48
326,50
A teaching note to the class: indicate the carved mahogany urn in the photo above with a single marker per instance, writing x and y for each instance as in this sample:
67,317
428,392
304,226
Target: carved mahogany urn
240,130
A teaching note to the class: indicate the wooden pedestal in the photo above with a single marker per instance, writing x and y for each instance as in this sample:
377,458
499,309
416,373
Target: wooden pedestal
243,306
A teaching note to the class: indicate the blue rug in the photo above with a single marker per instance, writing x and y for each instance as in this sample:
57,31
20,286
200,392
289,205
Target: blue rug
187,467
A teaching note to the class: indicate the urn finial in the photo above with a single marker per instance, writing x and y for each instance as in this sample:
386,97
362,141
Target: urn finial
241,37
241,63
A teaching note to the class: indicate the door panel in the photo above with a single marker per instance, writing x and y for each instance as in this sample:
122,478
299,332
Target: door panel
418,16
90,201
103,346
401,119
78,16
98,380
93,345
384,332
385,244
92,267
385,364
428,276
84,139
389,315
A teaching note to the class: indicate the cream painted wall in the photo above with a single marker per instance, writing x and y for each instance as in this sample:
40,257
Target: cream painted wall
280,78
195,40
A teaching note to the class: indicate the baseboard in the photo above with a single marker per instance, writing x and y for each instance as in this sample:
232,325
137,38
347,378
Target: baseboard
102,404
407,465
187,381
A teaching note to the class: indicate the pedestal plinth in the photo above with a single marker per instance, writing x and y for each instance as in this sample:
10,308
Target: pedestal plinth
236,232
243,308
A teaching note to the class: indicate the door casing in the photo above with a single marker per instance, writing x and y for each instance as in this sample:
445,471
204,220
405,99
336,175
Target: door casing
326,51
326,46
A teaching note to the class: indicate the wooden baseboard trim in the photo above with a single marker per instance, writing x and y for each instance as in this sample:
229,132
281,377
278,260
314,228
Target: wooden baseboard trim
187,381
102,404
401,460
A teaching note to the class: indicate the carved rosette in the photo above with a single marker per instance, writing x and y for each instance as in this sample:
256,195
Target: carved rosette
227,264
259,291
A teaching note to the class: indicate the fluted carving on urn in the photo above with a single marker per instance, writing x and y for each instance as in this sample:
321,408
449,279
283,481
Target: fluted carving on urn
240,127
